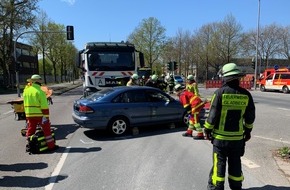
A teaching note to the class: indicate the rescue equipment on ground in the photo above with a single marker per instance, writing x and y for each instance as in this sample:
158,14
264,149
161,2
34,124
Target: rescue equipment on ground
37,142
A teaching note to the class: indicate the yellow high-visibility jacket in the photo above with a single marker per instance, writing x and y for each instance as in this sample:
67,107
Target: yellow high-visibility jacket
35,102
192,87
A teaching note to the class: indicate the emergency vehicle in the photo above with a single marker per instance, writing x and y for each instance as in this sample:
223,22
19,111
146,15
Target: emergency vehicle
108,64
275,79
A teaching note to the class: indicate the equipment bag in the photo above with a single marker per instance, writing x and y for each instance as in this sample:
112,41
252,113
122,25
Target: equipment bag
37,143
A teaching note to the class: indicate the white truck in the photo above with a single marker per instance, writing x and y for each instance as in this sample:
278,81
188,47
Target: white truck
108,64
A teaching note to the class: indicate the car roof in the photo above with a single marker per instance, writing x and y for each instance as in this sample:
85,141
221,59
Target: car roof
122,88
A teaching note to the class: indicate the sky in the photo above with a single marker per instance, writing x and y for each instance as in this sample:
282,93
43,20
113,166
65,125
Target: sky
115,20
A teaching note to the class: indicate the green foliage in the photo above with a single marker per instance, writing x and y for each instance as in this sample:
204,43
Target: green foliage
284,152
48,67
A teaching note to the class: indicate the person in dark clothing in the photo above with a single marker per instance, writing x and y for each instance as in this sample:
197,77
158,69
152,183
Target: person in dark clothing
152,81
229,126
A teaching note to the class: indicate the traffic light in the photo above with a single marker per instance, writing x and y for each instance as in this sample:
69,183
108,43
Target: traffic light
168,66
175,65
253,63
69,32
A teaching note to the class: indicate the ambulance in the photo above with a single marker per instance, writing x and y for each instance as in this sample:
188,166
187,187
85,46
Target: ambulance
275,79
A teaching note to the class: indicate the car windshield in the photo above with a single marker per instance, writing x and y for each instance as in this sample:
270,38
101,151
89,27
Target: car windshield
100,94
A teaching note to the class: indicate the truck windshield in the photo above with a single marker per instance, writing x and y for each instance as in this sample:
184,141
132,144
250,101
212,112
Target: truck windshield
110,61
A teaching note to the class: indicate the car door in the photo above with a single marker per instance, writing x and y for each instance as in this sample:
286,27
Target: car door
163,109
136,106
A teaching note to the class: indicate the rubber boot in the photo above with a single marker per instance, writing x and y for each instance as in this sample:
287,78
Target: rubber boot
188,133
199,136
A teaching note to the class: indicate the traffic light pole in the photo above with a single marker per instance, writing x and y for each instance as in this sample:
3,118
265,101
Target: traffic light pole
70,36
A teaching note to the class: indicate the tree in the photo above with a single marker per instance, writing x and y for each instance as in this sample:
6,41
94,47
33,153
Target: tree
15,17
227,38
149,38
285,49
40,39
270,42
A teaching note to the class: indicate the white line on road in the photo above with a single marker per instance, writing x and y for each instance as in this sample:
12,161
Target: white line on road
284,109
249,163
57,169
86,142
276,140
8,112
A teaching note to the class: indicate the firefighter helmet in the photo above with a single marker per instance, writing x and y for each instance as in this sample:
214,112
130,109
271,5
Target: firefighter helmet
34,78
134,76
230,71
190,77
154,77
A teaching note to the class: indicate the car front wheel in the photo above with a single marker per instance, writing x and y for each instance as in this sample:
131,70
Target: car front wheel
118,126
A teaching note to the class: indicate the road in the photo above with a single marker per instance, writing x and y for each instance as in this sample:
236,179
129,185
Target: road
158,158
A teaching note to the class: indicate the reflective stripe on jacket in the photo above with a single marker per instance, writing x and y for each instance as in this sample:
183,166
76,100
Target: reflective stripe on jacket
188,98
192,88
232,112
35,102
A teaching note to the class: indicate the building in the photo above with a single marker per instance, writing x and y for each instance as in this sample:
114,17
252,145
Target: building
26,63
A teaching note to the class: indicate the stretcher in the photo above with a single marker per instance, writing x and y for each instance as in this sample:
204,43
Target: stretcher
18,105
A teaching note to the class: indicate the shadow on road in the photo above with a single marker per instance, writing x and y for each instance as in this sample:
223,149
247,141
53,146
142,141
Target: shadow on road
269,187
62,131
22,166
103,135
28,181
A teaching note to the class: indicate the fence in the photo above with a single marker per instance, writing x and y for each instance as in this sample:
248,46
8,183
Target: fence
245,82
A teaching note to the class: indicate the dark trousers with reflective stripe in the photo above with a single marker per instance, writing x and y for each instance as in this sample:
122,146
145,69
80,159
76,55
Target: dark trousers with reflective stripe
222,155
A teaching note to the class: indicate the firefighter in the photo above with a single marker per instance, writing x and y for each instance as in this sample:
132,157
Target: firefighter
191,85
37,111
134,80
229,126
193,104
152,81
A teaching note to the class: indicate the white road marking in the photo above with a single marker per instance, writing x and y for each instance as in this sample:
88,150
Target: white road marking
86,142
249,163
276,140
284,109
8,112
57,169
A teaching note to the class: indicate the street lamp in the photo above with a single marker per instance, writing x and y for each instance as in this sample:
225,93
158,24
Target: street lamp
257,43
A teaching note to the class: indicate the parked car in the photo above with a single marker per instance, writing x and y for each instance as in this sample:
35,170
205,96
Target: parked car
119,108
178,80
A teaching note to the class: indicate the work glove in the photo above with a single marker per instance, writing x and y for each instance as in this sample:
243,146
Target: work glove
44,120
208,134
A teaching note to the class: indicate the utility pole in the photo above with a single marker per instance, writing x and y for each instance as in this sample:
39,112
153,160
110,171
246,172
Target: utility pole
257,44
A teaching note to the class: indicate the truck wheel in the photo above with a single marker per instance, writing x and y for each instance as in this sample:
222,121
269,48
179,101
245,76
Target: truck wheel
262,88
118,126
285,89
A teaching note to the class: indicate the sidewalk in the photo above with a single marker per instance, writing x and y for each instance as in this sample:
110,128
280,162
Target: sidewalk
57,90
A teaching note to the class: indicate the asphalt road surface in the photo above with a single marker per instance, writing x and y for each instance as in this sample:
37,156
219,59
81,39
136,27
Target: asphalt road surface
158,158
